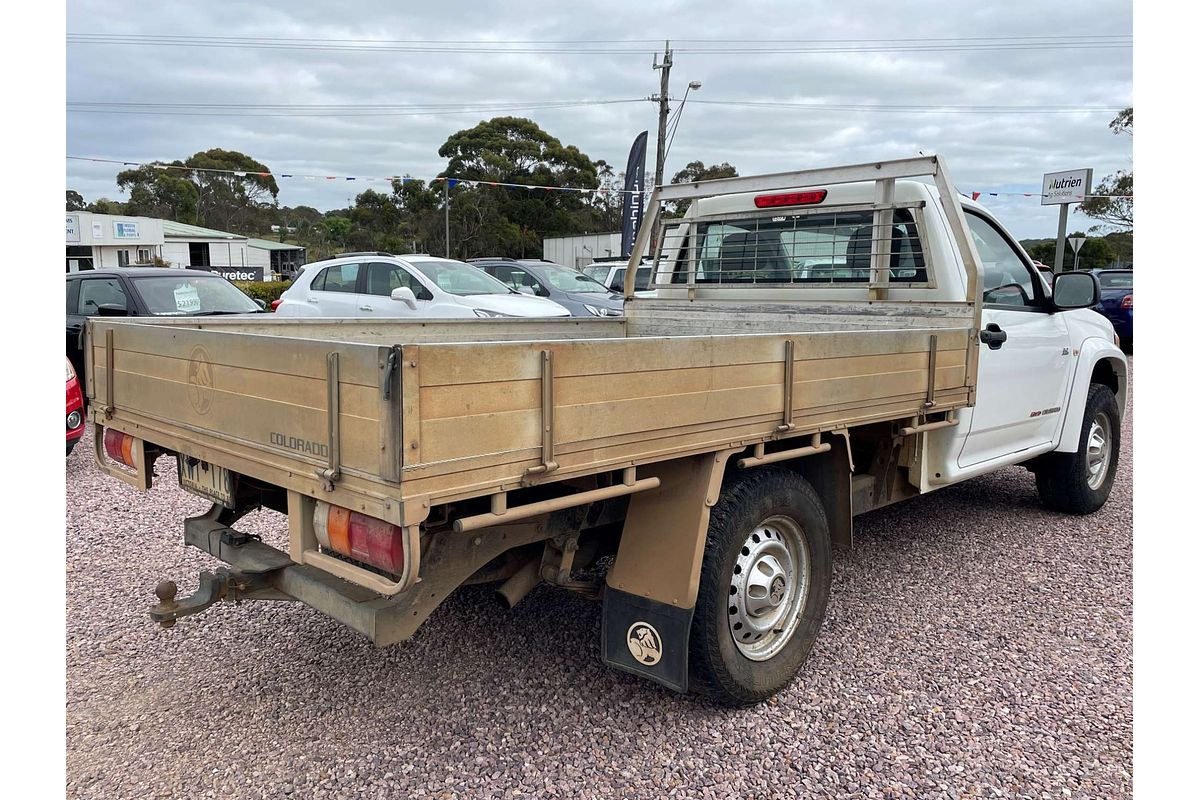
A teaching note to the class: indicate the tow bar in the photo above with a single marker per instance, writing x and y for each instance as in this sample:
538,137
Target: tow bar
214,587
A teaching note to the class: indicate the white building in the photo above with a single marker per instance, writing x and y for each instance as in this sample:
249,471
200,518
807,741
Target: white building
579,251
104,241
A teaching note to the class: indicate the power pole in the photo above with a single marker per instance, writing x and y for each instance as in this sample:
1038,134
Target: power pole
663,109
446,196
663,98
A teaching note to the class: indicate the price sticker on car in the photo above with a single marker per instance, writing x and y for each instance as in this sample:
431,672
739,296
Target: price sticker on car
187,299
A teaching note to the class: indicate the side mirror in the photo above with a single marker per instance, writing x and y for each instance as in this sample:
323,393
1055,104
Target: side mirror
1075,290
405,295
260,303
111,310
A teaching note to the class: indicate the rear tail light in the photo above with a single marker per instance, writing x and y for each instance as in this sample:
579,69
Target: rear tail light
119,446
275,303
790,199
360,537
1127,303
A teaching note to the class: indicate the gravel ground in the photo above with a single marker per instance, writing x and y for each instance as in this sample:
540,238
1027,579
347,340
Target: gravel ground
976,646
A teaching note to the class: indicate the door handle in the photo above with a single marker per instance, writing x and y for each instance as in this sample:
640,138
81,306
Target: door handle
311,299
993,336
365,308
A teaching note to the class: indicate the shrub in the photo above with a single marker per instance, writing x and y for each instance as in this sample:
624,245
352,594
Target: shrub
263,290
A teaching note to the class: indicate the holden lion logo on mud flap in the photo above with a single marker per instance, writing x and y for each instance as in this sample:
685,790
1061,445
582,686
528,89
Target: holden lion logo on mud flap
644,642
200,380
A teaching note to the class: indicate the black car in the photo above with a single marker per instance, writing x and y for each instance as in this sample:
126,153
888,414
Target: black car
571,289
147,292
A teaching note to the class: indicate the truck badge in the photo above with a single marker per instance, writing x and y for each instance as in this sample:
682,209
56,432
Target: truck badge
644,642
200,380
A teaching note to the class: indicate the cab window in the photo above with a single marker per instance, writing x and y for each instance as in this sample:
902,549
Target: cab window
341,278
1007,279
96,292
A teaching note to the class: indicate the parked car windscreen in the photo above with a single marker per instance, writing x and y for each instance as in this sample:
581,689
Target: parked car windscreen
1116,280
192,294
597,273
568,280
459,278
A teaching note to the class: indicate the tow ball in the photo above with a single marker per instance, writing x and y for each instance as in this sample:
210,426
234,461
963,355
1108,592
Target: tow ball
214,587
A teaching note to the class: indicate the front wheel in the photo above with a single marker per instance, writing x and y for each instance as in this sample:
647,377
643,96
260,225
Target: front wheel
1080,482
764,586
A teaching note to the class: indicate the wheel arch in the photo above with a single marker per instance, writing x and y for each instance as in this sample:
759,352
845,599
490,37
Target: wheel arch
1100,361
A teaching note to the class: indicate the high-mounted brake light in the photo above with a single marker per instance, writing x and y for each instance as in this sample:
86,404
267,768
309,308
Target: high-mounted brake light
360,537
1127,303
119,446
790,199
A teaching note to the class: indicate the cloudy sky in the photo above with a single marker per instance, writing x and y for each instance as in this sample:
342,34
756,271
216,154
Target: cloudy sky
348,88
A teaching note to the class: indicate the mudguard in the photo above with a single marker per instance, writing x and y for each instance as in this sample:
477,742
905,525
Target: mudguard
1091,351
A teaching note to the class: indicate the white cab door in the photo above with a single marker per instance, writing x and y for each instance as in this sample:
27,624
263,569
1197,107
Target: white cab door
382,278
1024,354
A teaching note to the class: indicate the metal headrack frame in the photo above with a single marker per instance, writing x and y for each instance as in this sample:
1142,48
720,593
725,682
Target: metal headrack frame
884,174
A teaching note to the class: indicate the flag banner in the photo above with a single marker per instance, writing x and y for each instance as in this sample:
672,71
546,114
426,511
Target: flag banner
635,184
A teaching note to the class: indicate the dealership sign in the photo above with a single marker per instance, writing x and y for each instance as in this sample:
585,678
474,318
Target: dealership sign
125,230
72,227
234,273
1066,187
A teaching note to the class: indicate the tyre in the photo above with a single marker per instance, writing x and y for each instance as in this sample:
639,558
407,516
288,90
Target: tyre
764,586
71,446
1080,482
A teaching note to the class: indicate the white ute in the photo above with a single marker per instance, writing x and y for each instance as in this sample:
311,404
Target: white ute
385,285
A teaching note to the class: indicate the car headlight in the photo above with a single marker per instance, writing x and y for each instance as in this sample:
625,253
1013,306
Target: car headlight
596,311
483,312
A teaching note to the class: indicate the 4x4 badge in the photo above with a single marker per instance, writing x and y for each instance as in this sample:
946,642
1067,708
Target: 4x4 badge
644,643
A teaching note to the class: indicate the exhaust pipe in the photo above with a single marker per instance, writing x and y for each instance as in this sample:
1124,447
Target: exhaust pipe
513,590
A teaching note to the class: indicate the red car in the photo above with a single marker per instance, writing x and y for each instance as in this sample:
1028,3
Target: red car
75,423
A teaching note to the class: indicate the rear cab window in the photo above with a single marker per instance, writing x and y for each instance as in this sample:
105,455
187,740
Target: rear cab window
823,248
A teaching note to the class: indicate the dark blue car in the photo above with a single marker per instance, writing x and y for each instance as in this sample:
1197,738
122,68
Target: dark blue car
1116,302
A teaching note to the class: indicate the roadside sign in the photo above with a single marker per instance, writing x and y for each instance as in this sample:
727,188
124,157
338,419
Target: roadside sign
1066,187
1077,242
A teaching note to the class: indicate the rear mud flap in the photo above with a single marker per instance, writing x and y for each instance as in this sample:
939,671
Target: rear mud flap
646,638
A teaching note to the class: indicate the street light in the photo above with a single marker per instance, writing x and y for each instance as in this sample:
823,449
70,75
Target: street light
679,115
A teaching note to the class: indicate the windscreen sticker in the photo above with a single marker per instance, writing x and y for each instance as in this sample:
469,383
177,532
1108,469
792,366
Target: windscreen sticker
187,298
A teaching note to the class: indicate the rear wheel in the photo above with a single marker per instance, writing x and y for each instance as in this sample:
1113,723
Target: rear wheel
764,586
1080,482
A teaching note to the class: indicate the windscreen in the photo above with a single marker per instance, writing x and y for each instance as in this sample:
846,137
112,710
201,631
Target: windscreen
191,294
568,280
459,278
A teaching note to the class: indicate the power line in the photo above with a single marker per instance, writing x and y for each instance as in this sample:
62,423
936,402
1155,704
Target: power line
947,109
708,40
248,109
422,109
586,47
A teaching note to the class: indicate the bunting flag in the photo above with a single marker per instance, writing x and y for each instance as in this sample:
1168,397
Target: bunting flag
453,182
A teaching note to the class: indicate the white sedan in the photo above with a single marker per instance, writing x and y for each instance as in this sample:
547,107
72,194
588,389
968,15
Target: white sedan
384,285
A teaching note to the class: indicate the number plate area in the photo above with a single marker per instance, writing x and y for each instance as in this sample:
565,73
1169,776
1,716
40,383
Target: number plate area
207,480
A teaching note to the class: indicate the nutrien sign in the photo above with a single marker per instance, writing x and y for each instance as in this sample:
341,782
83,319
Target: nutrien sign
1066,187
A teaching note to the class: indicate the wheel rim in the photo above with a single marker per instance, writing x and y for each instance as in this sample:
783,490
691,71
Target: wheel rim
768,588
1099,450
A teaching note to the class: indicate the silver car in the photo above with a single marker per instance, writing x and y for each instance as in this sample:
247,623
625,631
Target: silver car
385,285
